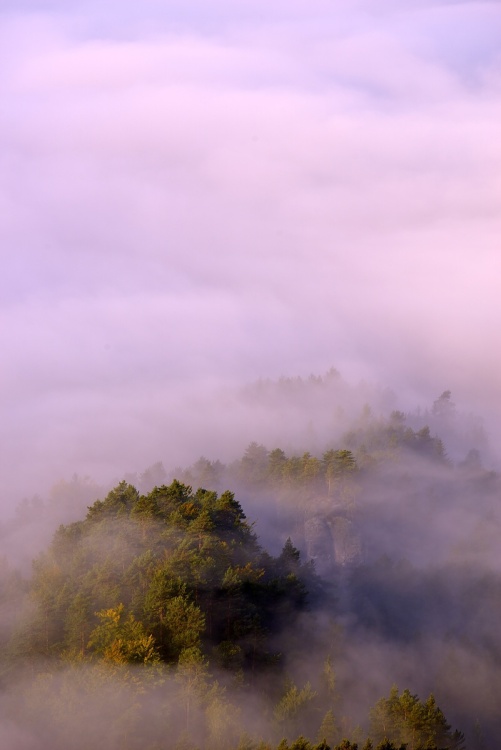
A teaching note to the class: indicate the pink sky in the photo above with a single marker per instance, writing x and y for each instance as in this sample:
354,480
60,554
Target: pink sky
189,199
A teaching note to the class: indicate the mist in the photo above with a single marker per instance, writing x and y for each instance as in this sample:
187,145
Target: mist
229,230
197,198
406,589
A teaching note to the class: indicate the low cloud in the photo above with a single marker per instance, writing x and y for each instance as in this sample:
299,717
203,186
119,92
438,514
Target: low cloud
186,207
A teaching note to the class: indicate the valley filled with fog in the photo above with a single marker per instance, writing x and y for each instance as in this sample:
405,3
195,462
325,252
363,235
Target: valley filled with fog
250,442
365,557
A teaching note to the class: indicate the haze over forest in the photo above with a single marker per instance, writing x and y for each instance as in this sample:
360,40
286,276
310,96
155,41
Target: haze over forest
196,195
252,247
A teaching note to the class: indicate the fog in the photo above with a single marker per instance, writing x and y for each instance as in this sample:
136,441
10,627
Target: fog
196,197
201,205
409,565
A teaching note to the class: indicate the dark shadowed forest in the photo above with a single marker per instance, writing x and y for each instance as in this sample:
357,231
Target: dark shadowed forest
343,596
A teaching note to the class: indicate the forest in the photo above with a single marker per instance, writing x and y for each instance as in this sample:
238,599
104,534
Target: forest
342,595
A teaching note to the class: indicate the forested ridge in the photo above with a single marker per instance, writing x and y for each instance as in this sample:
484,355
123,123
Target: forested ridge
161,619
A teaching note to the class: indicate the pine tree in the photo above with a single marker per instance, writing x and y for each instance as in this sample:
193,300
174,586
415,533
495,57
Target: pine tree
329,730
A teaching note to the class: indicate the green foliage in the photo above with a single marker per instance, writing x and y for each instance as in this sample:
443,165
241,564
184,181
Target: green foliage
301,744
153,577
404,719
192,676
346,745
322,745
222,720
329,679
122,640
118,502
172,585
297,479
293,705
338,465
254,464
329,729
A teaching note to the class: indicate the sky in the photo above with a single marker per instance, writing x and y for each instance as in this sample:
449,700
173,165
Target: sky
197,194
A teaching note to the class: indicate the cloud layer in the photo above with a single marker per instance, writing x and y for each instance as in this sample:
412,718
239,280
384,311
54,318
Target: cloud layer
201,196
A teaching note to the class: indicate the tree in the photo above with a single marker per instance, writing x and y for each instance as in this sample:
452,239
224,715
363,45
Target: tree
443,407
253,466
404,719
293,705
338,465
184,624
328,679
77,624
192,677
328,730
288,560
276,462
221,719
122,640
301,744
153,476
118,502
311,469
